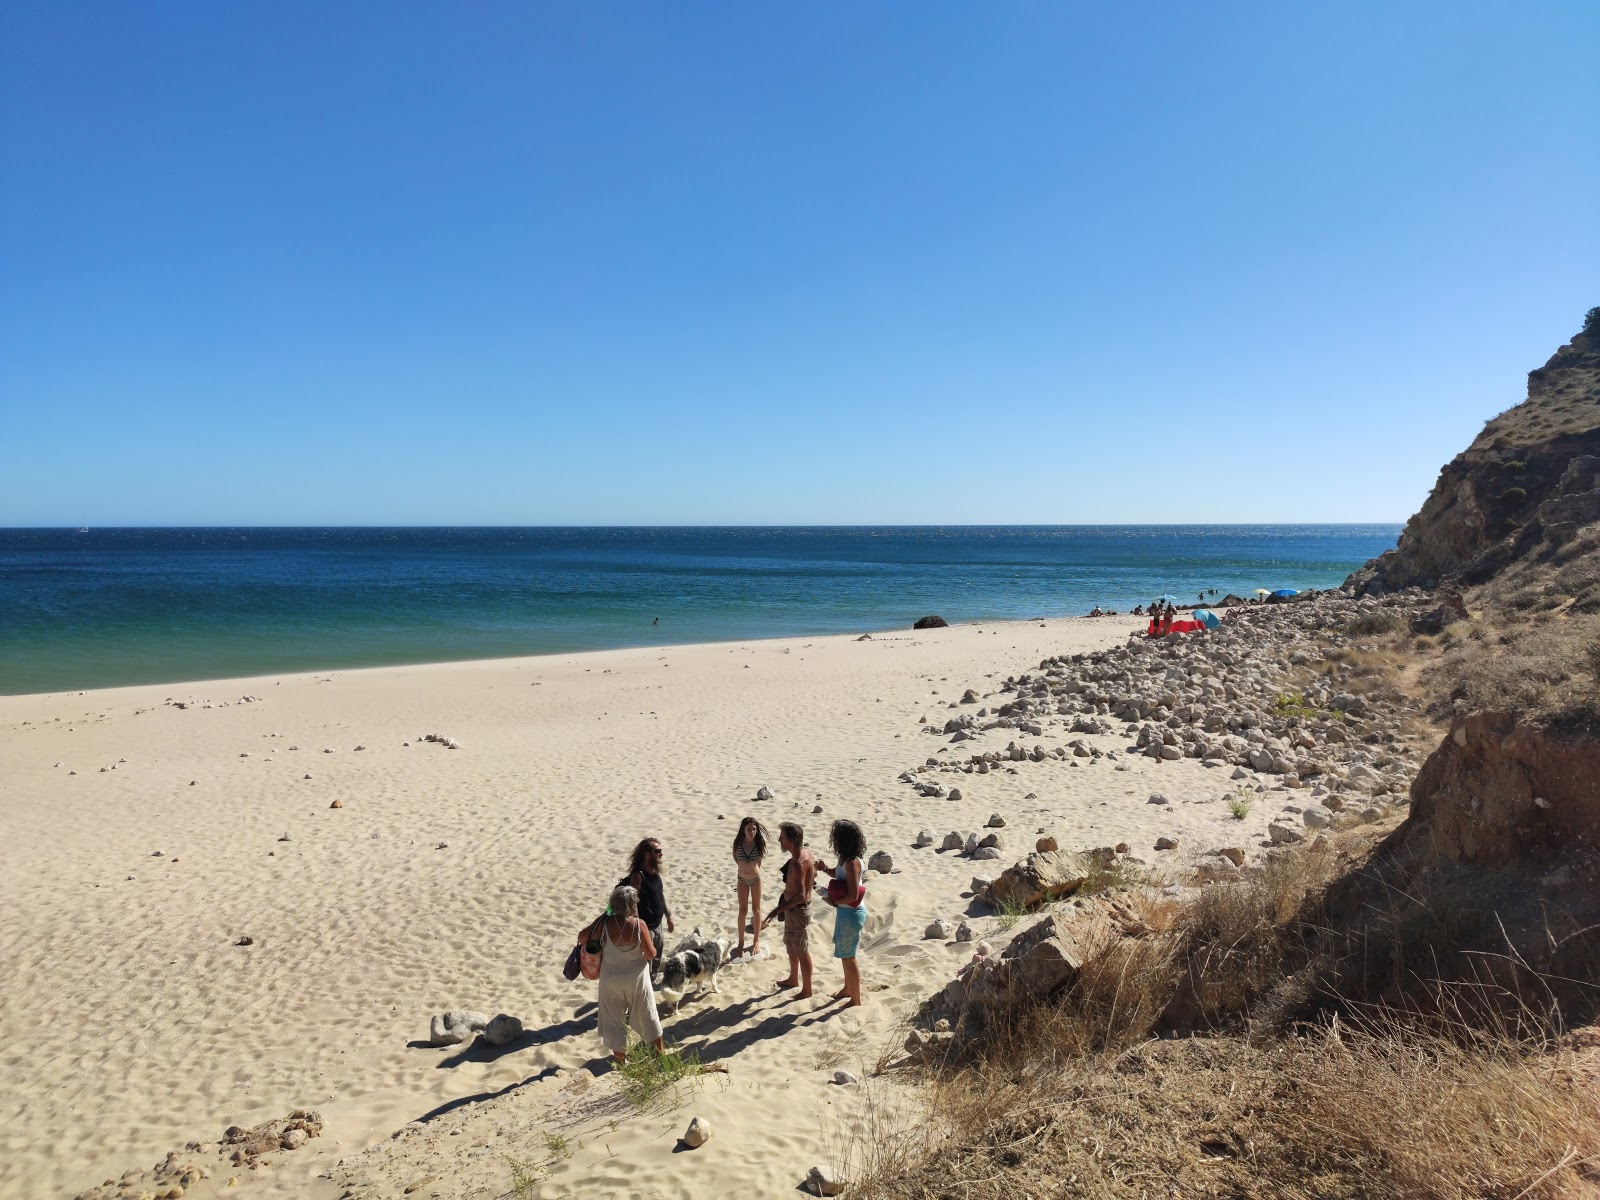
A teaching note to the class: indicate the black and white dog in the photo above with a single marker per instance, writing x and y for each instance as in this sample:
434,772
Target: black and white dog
692,966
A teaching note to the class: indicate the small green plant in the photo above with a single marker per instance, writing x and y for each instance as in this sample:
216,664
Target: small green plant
1239,807
647,1077
1009,913
525,1177
1293,704
556,1146
1104,876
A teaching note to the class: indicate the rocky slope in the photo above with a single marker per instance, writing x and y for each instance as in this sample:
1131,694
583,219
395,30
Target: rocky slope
1526,483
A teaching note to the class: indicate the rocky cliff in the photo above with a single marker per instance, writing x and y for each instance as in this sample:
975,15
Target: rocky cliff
1528,481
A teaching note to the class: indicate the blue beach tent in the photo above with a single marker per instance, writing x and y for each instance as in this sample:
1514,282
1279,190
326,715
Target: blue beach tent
1286,592
1208,618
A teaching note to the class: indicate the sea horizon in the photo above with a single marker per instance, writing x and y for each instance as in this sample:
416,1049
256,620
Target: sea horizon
88,607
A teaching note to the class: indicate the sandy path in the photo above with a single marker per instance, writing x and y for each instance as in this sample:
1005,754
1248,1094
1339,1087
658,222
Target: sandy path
131,1022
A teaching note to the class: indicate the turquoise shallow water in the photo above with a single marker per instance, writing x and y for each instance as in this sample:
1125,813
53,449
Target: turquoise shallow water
121,606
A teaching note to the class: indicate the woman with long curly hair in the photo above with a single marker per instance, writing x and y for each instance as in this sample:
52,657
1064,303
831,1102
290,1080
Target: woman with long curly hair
644,877
847,894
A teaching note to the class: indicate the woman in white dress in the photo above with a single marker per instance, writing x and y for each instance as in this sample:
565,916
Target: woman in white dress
626,997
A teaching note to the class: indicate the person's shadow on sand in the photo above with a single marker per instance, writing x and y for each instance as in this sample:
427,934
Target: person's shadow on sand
478,1097
776,1025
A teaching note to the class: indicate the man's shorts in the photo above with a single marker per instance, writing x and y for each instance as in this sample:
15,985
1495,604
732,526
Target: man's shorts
847,926
796,924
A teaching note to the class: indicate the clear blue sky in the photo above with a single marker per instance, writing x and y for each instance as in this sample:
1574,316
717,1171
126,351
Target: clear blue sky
759,263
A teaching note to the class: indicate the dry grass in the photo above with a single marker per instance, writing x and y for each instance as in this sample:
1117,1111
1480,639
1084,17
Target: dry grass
1544,665
1359,1039
1381,1112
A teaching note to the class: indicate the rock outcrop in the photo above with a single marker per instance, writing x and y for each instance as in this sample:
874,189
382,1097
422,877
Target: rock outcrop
1500,791
1530,479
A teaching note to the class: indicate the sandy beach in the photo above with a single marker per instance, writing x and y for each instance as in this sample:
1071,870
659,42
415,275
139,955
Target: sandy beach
150,829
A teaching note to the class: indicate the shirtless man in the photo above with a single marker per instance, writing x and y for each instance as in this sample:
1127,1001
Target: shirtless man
799,879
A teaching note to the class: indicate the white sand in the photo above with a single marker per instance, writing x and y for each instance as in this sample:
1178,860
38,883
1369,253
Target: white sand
131,1023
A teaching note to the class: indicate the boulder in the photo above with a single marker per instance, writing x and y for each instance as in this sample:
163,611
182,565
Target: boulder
1157,798
996,821
1233,854
1039,878
980,884
1044,958
763,793
964,932
1166,843
502,1030
955,794
921,623
844,1078
698,1133
1045,844
1283,834
940,930
1315,816
881,861
924,838
990,839
953,841
988,853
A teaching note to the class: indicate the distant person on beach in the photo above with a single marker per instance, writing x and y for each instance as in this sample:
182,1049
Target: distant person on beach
657,621
749,848
626,997
794,909
644,877
1097,612
847,895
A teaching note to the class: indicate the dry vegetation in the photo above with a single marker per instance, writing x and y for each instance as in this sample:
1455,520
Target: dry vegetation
1563,400
1316,1032
1534,643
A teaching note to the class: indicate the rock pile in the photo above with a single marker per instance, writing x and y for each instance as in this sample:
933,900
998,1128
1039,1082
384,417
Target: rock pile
168,1179
1270,693
290,1133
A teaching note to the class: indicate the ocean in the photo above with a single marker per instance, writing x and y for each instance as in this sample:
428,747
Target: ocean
107,607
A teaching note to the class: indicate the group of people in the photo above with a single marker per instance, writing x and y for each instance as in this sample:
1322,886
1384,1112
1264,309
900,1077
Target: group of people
629,936
1162,614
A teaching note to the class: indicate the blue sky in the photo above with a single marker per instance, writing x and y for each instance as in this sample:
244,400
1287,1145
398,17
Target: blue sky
646,263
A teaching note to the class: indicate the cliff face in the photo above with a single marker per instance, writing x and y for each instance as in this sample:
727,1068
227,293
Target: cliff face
1528,480
1499,791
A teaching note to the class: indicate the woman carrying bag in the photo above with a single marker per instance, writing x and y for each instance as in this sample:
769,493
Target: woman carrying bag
626,997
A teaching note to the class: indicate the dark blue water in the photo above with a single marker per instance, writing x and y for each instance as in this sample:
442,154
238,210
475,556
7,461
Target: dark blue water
119,606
